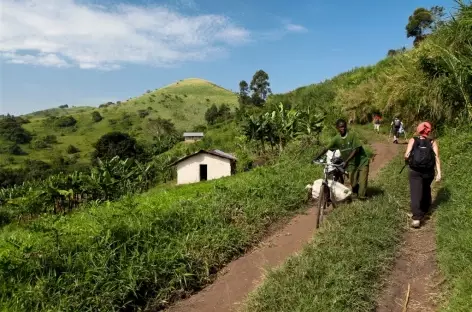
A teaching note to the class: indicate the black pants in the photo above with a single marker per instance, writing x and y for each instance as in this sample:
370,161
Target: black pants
420,193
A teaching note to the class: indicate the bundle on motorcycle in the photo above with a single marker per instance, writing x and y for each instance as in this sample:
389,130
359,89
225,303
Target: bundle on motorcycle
331,189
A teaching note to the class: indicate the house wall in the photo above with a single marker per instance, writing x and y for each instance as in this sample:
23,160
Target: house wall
188,171
192,139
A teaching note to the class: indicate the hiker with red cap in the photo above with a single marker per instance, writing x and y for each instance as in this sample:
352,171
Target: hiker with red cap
422,156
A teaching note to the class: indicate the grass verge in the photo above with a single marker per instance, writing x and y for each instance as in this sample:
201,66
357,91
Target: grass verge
454,220
341,269
145,251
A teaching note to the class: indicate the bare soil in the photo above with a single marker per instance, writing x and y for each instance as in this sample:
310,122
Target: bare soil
416,266
242,275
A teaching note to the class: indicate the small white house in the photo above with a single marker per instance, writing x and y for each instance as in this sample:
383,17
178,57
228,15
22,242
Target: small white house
204,165
193,136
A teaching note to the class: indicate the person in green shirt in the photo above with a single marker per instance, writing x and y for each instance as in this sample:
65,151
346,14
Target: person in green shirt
356,161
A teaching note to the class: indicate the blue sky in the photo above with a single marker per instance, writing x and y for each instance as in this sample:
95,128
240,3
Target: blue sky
55,52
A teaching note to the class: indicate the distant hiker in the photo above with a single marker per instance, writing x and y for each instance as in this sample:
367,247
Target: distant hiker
422,156
356,161
396,125
377,121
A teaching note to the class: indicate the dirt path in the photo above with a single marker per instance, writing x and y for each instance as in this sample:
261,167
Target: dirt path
415,265
243,274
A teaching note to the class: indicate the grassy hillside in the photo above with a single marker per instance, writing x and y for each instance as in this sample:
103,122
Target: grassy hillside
184,102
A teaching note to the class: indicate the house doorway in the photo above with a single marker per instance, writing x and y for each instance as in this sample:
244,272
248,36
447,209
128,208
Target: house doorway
203,172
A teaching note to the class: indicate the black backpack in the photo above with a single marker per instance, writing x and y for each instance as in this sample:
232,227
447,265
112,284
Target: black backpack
422,155
397,123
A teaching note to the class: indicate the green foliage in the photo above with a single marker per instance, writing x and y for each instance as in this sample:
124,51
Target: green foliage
108,180
11,129
12,149
64,106
217,114
260,88
281,125
143,113
423,20
160,127
44,142
454,218
116,144
71,149
96,117
243,97
65,121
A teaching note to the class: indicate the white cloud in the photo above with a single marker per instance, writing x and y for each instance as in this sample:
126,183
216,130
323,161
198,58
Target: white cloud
295,28
65,33
44,59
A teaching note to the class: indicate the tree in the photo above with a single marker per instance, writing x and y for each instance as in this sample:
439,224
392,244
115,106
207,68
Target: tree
12,130
422,21
260,87
211,114
96,117
243,96
116,144
160,127
64,106
224,112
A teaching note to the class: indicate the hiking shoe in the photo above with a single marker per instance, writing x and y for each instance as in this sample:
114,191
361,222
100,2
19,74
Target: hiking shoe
415,224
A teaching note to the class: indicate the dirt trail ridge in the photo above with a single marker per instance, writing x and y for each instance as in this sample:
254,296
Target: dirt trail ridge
242,275
416,266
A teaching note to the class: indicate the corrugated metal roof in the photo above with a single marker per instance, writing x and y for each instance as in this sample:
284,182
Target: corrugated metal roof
193,134
223,154
213,152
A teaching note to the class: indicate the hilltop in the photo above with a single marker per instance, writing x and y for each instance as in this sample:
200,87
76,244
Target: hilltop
183,102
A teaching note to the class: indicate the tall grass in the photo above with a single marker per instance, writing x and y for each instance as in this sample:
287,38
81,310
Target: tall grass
146,251
433,81
454,220
340,269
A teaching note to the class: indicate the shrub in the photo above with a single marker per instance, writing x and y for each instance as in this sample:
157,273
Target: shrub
65,121
116,143
71,149
13,149
143,113
50,139
39,144
11,130
96,117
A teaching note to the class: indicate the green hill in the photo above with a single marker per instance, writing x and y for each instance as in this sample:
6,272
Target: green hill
184,102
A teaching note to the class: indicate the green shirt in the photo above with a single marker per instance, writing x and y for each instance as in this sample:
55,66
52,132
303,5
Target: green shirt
346,145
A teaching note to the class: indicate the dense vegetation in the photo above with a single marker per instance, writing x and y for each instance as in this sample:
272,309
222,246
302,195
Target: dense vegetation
454,219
